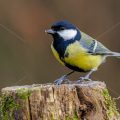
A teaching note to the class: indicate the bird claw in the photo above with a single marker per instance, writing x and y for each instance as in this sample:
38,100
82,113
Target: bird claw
83,79
60,80
63,79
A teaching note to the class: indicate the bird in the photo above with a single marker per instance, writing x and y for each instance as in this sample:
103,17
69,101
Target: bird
77,50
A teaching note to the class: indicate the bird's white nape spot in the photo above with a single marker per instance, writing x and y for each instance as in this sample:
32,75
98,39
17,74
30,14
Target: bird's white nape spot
95,46
68,34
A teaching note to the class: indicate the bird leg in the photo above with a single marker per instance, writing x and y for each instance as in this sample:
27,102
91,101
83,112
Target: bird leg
63,78
87,77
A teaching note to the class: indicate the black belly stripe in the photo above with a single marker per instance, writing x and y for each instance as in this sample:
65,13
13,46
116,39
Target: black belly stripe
75,68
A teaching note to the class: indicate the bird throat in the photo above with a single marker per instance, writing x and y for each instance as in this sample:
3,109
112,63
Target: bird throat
60,45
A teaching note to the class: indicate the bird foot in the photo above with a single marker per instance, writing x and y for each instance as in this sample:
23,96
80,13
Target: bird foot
83,79
61,80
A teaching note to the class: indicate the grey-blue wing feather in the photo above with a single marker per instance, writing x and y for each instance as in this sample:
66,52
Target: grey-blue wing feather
93,46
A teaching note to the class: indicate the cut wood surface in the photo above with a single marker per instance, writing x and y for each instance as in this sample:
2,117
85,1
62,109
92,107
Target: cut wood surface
86,101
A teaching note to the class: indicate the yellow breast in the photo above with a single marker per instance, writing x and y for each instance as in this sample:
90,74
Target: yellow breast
77,56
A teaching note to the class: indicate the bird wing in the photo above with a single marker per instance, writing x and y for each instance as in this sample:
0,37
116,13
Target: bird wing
93,46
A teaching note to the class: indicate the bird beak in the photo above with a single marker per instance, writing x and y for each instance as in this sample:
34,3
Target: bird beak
49,31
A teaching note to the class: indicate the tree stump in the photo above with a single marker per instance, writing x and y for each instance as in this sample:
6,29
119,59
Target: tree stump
86,101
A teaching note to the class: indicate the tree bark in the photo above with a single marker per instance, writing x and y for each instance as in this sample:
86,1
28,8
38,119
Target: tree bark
86,101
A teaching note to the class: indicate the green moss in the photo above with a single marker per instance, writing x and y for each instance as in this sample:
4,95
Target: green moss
8,103
23,93
7,107
110,104
75,117
68,118
52,116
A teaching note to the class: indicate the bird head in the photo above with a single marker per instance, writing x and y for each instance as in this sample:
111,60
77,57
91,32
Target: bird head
64,30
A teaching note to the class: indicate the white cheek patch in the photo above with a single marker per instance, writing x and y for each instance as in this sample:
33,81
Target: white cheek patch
68,34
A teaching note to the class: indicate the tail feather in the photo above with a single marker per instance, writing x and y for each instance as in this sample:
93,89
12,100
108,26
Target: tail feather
115,54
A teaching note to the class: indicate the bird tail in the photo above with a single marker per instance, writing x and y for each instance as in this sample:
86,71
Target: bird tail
114,54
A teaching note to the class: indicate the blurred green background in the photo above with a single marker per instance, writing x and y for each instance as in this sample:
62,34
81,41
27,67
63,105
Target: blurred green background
25,54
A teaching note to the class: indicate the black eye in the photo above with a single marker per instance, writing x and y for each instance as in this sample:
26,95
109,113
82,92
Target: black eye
62,28
57,28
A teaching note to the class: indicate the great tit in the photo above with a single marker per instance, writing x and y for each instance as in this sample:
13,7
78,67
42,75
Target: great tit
77,50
